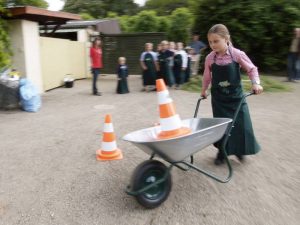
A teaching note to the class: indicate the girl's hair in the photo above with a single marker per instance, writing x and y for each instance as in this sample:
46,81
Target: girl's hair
95,41
121,59
221,30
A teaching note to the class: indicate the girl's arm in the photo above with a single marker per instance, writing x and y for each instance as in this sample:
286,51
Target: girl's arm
206,80
251,70
143,65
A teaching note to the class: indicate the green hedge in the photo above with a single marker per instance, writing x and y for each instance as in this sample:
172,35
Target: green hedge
263,29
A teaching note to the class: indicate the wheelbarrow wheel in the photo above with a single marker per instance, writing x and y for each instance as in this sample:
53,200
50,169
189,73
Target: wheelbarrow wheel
147,173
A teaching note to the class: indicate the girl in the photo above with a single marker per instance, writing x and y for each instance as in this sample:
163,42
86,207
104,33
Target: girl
222,70
189,52
164,57
122,72
180,65
148,61
96,61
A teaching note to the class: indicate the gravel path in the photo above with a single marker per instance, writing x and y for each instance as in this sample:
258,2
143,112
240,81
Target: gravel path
49,175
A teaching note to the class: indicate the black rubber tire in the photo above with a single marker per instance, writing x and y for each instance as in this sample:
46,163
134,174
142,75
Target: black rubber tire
146,173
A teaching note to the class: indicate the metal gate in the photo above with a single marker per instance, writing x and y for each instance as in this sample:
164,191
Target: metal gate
127,45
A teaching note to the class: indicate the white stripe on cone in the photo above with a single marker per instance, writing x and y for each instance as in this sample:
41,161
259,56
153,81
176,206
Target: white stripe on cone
108,128
164,97
171,123
108,146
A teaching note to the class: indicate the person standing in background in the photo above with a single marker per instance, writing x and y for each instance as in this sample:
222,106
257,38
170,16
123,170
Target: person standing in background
148,62
96,63
294,57
164,57
180,65
197,45
122,72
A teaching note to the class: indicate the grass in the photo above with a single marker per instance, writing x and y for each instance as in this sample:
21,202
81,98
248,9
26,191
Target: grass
269,84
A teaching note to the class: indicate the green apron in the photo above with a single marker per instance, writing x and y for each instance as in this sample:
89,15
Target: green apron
122,87
149,75
179,74
226,93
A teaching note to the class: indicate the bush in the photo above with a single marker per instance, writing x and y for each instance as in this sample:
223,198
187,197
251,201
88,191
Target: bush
4,39
262,29
181,23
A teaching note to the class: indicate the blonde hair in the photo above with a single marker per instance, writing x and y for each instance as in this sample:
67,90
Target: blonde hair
221,30
122,59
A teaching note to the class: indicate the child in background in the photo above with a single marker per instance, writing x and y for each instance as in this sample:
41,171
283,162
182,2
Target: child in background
148,61
122,72
164,57
222,71
189,52
180,65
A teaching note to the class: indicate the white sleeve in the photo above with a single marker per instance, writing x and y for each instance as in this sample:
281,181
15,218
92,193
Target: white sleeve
154,55
184,59
142,56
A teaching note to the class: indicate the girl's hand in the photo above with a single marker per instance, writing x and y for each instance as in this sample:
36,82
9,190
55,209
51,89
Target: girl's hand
145,68
203,94
257,89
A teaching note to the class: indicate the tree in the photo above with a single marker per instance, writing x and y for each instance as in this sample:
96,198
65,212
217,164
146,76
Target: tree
146,21
37,3
260,28
100,8
4,40
165,7
181,23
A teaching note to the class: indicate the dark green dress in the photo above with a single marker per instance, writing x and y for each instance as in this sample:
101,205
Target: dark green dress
177,69
226,94
122,87
149,75
164,67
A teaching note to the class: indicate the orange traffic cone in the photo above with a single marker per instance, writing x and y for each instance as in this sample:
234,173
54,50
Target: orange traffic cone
109,150
170,122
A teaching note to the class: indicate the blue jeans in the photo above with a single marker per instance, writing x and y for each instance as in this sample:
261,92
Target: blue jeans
95,72
293,71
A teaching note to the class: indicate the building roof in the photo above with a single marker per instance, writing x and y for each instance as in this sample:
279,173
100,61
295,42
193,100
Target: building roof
107,26
42,16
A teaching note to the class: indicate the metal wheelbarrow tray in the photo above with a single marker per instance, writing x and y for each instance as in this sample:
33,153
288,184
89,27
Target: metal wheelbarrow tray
151,180
205,131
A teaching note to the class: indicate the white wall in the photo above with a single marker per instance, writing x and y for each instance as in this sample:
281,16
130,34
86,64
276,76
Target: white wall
26,50
60,57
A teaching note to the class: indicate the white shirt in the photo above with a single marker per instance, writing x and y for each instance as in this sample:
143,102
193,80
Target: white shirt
184,57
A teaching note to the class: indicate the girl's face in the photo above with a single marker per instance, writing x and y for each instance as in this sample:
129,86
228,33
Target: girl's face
179,46
217,43
149,47
172,45
98,43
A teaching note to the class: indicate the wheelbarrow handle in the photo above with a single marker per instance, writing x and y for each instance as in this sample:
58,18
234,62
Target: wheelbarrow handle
198,105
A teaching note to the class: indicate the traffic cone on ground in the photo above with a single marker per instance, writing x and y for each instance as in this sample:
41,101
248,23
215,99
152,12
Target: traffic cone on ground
170,122
109,150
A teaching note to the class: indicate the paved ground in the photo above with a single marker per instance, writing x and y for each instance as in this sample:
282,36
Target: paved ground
49,175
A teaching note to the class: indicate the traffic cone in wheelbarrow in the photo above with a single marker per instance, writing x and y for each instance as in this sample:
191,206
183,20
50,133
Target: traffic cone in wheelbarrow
170,122
109,150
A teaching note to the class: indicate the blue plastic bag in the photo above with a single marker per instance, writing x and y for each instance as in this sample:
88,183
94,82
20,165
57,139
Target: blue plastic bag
30,98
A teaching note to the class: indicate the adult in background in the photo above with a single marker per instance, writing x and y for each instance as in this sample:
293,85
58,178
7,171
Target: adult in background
294,57
197,46
148,61
96,63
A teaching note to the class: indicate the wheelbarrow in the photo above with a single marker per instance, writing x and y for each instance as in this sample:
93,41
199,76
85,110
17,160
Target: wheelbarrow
151,181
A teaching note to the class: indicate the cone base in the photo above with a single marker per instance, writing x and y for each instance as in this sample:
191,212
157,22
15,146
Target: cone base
109,156
174,133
